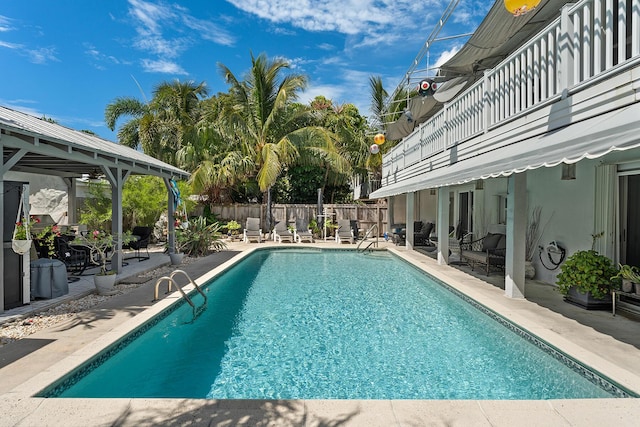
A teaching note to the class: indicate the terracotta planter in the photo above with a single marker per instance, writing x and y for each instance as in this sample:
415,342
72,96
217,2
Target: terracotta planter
105,284
586,301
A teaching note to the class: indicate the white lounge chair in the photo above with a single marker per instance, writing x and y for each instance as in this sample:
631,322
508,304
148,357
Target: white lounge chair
303,232
344,233
281,233
252,230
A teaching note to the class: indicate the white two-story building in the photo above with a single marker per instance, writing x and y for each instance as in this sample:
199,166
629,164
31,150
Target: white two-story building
547,116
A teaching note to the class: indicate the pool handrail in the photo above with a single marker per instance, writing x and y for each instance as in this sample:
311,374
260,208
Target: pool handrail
171,280
366,235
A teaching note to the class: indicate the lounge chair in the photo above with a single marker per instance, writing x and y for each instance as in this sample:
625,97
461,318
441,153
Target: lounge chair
252,230
281,233
303,232
344,232
422,233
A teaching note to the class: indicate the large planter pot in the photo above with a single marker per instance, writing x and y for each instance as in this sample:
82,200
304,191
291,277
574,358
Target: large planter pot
637,287
176,259
105,284
627,285
587,301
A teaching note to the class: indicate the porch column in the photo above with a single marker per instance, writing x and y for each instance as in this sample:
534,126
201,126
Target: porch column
171,228
390,217
442,226
116,177
72,200
411,203
516,231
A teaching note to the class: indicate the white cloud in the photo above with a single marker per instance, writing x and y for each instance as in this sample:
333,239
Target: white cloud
42,55
162,66
10,45
167,31
371,21
5,24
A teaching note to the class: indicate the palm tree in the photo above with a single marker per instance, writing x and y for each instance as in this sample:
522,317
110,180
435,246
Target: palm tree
271,129
163,125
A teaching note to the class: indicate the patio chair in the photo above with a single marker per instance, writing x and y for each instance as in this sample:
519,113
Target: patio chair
141,239
252,230
281,233
422,231
76,258
302,232
344,232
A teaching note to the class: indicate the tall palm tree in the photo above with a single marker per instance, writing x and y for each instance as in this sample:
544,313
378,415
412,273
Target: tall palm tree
273,130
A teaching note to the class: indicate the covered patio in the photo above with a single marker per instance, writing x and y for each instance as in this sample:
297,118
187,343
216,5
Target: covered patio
39,147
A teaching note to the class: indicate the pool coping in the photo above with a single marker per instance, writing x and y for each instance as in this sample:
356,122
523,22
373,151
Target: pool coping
24,408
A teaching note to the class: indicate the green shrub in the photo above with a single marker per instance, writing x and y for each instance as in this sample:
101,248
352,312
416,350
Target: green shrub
199,238
588,271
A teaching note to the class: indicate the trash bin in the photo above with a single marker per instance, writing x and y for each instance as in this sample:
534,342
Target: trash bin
48,278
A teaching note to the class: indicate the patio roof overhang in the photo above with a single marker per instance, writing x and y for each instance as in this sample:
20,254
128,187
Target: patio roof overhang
616,130
36,146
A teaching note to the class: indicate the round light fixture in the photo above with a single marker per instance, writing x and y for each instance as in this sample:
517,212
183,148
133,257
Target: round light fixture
520,7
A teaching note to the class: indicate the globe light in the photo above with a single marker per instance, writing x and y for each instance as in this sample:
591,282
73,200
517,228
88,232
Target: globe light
379,139
520,7
374,149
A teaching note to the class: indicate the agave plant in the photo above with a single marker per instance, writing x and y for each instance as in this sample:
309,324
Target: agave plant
199,237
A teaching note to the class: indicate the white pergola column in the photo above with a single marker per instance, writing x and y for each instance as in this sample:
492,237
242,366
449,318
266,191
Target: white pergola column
116,178
72,200
442,225
516,230
171,228
411,204
390,215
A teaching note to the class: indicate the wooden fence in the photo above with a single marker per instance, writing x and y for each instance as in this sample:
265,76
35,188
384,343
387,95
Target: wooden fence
366,215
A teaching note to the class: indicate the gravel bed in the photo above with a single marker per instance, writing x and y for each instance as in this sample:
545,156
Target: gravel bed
20,328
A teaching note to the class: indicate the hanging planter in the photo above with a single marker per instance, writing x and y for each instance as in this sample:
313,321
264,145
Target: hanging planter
21,240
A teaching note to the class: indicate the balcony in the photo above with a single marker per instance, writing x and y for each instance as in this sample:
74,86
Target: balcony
583,69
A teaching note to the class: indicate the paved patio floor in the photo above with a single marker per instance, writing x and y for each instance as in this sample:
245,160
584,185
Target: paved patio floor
606,343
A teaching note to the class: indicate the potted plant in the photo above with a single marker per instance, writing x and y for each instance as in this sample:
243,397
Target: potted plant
21,240
99,244
232,227
630,276
586,280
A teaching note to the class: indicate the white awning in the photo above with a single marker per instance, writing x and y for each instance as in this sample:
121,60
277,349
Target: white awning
617,130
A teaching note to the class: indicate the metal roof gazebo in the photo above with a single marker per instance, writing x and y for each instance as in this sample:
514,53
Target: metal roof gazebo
37,146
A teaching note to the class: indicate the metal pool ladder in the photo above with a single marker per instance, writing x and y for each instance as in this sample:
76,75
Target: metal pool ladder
366,236
169,279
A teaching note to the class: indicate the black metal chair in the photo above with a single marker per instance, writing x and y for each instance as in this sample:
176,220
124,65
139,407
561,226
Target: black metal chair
75,257
141,239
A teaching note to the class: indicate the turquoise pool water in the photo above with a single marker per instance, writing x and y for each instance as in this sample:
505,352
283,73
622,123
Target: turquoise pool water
292,324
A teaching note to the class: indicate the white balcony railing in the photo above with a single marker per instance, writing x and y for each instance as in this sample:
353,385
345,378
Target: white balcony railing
587,41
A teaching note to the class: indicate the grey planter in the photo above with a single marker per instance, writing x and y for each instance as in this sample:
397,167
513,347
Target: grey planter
586,301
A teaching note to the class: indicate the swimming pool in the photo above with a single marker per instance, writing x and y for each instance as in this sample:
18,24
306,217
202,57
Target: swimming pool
332,324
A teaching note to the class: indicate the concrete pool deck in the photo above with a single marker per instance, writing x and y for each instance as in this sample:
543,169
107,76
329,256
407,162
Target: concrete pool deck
608,344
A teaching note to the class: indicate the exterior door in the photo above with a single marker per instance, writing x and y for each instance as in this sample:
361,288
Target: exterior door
631,225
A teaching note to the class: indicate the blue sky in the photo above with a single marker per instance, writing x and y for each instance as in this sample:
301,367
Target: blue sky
67,59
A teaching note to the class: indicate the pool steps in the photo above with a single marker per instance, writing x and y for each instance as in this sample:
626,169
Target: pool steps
169,279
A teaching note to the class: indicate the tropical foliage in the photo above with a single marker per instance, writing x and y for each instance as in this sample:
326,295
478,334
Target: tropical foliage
199,238
255,138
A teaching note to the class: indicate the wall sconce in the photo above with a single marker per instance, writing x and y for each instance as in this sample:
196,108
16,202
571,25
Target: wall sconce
432,191
480,184
568,171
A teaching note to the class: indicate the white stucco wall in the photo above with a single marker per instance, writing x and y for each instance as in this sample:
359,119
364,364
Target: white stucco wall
567,210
